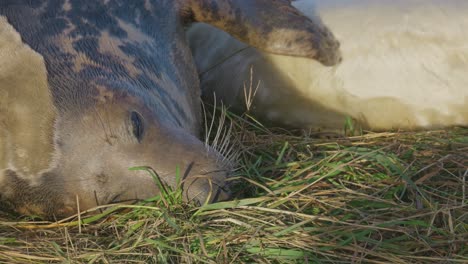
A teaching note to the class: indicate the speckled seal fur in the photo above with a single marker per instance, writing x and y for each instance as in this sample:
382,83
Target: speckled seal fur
90,89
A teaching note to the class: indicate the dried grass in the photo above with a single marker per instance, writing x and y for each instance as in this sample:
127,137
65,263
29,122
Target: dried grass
377,198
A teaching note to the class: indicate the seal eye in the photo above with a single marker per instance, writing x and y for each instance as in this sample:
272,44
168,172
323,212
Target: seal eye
137,125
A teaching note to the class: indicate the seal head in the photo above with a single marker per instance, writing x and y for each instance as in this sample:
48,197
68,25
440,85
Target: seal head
93,88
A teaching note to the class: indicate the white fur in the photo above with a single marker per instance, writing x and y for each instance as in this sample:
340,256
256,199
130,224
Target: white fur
405,66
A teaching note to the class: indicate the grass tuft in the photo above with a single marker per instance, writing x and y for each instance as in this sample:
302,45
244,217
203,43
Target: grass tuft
374,198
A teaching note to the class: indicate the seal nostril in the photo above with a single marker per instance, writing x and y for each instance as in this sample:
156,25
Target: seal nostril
218,196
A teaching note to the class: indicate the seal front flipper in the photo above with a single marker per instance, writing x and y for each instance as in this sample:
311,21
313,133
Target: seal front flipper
270,25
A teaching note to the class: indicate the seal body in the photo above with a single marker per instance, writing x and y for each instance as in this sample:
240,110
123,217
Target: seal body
405,66
90,89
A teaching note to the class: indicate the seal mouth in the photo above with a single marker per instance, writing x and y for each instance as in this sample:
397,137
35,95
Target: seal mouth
222,194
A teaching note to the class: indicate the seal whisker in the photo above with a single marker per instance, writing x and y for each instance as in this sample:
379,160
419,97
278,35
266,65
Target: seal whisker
95,88
205,125
225,139
222,139
232,153
221,120
212,123
208,126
